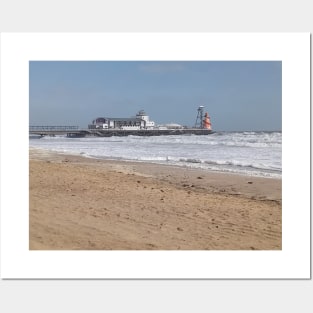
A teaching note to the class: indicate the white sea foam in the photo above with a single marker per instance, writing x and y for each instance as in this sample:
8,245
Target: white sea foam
248,153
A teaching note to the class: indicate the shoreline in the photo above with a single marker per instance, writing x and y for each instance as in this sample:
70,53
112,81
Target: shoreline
86,203
43,152
162,171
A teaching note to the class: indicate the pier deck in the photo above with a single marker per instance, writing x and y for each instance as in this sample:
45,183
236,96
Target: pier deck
75,131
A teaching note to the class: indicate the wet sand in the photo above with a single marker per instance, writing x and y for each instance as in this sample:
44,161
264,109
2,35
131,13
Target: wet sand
79,203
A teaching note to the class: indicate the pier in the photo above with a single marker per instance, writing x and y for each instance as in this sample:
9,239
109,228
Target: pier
76,132
52,130
141,125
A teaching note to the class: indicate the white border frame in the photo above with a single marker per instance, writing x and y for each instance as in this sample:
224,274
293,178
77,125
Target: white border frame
17,49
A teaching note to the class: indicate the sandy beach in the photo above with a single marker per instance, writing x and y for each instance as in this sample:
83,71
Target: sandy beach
79,203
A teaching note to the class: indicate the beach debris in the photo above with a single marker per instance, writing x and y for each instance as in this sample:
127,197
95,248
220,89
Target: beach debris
199,177
179,229
250,182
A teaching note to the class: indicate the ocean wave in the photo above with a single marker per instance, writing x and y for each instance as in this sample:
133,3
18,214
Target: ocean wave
190,160
257,166
235,163
244,152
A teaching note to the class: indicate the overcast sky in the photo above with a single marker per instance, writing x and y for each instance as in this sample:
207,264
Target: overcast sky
237,95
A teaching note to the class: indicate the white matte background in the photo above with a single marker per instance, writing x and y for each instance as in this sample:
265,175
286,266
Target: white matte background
20,48
156,296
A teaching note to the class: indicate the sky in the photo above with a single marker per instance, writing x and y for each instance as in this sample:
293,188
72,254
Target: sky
238,95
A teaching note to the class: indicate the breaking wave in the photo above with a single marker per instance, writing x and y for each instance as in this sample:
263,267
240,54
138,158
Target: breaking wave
249,153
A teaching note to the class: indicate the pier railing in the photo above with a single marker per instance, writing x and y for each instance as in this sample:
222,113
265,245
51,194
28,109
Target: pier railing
52,128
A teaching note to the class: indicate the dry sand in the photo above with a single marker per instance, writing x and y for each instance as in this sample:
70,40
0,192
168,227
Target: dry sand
88,204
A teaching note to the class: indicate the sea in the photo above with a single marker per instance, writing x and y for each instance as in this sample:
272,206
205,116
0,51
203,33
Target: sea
246,153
